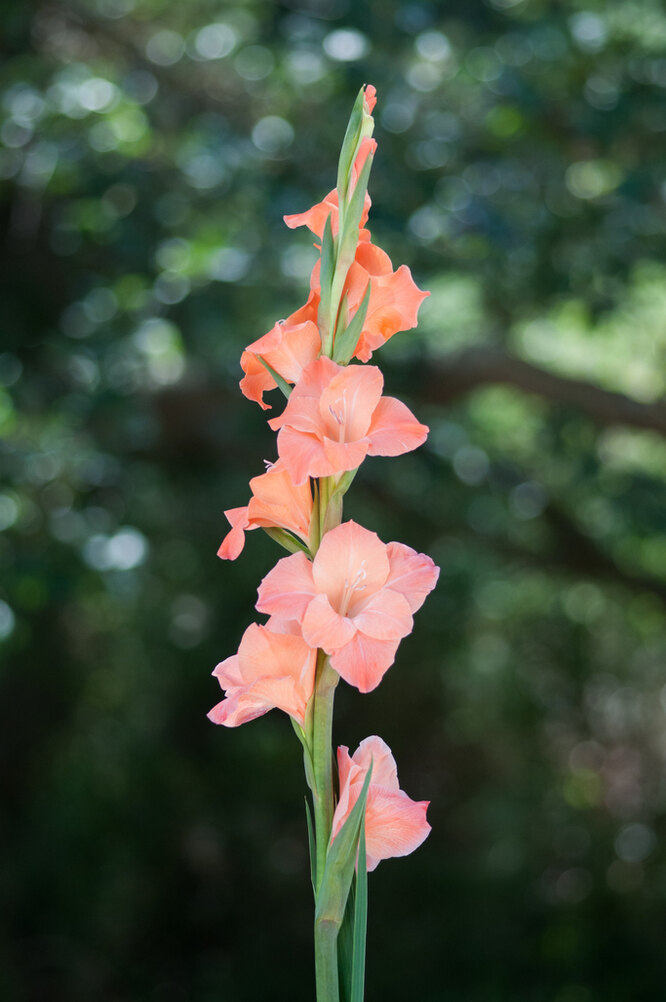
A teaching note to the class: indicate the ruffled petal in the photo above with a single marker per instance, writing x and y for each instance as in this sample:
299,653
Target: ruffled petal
394,430
413,574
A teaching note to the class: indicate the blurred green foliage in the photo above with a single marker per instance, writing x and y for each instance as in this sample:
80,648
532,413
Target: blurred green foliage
148,152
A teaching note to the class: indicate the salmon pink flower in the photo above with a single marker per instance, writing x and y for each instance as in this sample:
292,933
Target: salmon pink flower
276,503
288,348
271,670
395,825
336,416
354,600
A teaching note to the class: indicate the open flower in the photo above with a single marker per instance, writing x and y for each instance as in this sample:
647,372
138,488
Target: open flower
395,825
288,348
276,503
271,670
355,600
336,416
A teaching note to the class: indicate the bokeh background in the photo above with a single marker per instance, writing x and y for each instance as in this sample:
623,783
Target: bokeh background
149,151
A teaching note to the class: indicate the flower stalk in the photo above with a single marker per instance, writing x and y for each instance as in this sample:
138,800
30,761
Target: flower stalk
341,602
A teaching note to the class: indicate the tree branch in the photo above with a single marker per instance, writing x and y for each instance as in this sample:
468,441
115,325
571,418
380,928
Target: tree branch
453,377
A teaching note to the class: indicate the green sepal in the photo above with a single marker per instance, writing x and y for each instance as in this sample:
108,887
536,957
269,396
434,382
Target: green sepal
345,481
326,273
312,846
345,343
340,863
282,383
350,143
286,540
360,920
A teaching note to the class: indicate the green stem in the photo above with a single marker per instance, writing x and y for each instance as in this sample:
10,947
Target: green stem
326,961
322,758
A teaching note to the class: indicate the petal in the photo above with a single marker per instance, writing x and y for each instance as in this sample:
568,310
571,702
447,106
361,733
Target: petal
228,673
349,558
348,401
342,456
363,662
238,709
278,501
256,381
288,588
384,769
234,541
303,455
324,627
394,430
386,616
413,574
395,825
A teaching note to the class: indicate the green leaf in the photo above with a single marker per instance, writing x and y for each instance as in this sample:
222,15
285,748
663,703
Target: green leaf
311,845
282,383
346,946
345,343
340,863
360,920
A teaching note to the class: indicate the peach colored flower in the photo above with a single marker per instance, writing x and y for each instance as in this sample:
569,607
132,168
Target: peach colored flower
336,416
288,348
271,670
354,600
276,503
395,825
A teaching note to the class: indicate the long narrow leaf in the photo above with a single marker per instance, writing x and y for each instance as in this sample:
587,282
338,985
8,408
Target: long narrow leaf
326,272
349,143
360,920
346,947
282,383
340,862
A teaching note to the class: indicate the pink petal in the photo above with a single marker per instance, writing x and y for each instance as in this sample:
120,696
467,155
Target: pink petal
342,456
350,559
386,616
228,673
348,401
394,430
394,824
324,627
363,662
288,588
303,455
234,541
413,574
384,769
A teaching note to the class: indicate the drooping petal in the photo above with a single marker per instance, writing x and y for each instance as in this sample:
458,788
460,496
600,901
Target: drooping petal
288,588
413,574
234,541
363,662
324,627
288,348
394,430
395,825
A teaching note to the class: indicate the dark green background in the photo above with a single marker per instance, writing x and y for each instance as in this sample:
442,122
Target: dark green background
146,162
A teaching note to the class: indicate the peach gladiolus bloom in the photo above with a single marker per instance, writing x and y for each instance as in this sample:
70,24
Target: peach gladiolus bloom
276,503
271,670
354,600
288,347
395,825
336,416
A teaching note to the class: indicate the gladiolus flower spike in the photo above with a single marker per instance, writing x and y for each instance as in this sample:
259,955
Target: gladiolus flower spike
340,604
